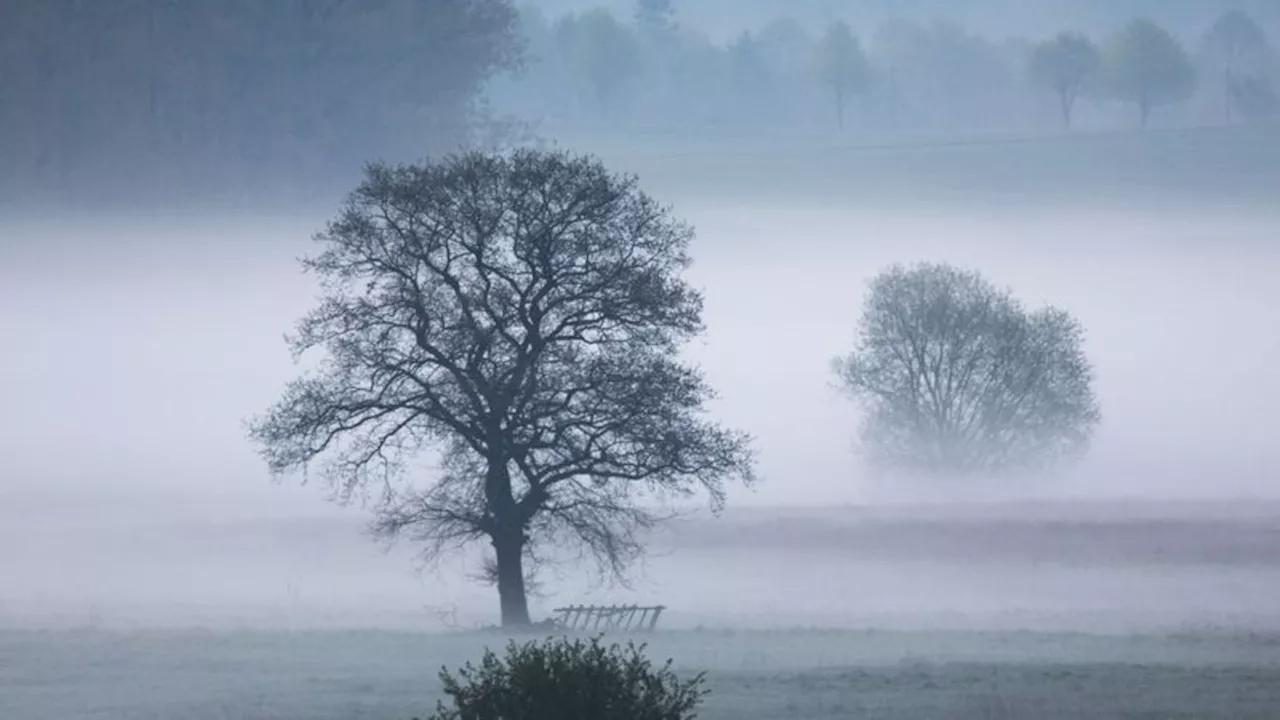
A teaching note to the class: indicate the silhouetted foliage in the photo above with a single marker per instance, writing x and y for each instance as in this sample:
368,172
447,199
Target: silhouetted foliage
251,100
521,314
1237,40
569,680
841,66
1242,48
1065,65
940,71
957,378
1149,67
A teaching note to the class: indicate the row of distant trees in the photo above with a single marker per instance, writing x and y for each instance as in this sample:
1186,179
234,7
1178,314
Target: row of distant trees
202,96
1146,66
595,68
518,318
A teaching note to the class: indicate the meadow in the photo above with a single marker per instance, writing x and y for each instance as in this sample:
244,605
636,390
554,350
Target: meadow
1042,611
1211,167
773,675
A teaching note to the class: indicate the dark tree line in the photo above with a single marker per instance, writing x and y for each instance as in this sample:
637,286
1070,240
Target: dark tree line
609,70
263,98
205,92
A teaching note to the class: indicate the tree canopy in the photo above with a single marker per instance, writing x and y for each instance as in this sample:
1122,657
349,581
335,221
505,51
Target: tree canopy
842,66
1236,39
519,314
1244,51
1064,65
957,378
1149,67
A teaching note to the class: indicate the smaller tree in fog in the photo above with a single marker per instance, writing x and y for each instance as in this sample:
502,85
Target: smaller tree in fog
957,377
1065,65
842,66
1148,67
1240,46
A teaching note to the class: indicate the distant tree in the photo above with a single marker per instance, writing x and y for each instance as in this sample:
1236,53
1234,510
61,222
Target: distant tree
1241,47
957,378
842,66
569,679
1237,40
1147,66
520,314
606,55
1064,65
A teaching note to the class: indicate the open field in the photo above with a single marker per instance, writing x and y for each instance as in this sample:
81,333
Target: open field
1019,611
1213,167
68,675
1051,567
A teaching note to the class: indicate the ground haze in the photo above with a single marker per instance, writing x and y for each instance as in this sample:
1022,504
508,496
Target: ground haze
152,570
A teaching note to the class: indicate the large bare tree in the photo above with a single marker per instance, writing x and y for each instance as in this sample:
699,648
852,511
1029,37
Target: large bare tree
520,315
956,377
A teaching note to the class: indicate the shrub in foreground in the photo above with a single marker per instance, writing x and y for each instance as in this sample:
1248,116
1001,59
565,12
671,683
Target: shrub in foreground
562,679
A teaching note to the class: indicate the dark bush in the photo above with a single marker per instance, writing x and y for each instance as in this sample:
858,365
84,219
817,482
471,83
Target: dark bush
562,679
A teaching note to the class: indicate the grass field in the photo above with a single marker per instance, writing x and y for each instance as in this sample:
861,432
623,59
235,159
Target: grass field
1050,611
1213,166
83,675
1231,166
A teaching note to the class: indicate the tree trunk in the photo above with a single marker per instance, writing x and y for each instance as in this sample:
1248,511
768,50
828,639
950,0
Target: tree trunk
839,109
508,538
1066,111
509,548
1144,111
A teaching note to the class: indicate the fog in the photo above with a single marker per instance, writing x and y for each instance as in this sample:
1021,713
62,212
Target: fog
138,346
162,167
140,356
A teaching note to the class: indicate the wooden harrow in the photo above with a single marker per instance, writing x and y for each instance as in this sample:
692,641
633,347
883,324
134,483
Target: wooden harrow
608,617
